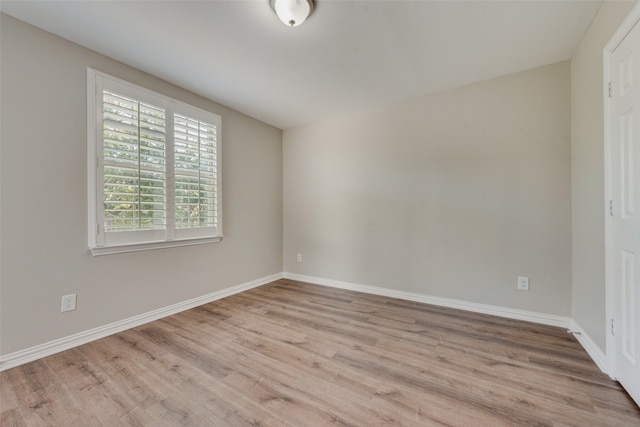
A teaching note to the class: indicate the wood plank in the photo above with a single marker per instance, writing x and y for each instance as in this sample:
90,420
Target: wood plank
293,354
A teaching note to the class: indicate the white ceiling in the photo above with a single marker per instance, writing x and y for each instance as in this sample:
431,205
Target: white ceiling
348,55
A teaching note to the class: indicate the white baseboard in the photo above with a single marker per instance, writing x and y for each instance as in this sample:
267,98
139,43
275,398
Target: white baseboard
511,313
592,349
33,353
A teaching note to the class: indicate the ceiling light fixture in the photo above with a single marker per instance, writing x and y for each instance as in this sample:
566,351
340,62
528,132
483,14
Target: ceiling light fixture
292,12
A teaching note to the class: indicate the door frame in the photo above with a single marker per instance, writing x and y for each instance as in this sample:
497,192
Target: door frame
625,28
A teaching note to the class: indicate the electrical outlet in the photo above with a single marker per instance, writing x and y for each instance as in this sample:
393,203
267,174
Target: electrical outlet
68,303
523,283
299,258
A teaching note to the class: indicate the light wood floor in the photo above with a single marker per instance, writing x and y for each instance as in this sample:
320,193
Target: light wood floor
294,354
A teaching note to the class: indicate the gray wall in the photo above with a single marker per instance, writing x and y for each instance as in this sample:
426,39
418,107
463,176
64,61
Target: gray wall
453,194
587,151
44,201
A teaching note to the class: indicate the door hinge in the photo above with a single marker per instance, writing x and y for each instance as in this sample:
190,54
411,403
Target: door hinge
610,90
613,329
611,207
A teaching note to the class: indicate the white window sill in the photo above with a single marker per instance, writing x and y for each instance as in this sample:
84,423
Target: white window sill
108,250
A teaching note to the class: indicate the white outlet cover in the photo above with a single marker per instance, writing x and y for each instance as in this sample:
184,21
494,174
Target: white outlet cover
523,283
68,303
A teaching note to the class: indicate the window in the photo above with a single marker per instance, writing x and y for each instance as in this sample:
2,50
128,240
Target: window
154,166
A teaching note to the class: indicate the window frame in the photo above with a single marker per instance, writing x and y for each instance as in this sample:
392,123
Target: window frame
101,242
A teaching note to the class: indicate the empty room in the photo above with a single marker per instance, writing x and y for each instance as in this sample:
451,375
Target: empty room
319,212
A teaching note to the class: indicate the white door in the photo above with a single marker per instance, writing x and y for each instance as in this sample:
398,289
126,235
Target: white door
625,210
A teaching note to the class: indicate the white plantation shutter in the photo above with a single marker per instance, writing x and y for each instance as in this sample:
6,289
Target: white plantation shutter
134,164
195,145
155,179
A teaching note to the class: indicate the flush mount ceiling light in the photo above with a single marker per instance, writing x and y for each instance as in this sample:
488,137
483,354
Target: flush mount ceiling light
292,12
